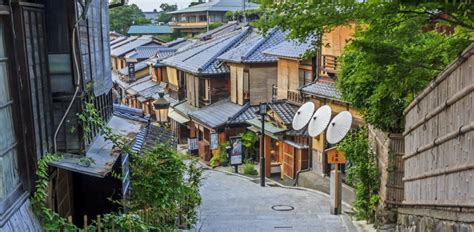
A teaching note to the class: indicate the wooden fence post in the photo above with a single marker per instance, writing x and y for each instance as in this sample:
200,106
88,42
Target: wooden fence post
85,223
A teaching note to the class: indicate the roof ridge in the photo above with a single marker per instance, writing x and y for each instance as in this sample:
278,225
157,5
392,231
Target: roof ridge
259,43
246,106
224,49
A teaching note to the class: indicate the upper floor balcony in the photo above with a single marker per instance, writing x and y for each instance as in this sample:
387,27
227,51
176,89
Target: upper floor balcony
329,65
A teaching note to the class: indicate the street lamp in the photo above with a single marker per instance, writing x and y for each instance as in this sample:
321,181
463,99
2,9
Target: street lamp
161,106
262,112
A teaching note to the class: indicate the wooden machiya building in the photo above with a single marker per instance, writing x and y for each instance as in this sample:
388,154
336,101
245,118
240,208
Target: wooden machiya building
38,80
313,79
201,82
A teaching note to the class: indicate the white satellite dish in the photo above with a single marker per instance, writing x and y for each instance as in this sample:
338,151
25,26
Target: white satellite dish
319,121
339,126
303,115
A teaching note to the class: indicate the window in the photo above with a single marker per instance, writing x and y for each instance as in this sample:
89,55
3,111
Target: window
202,18
9,179
305,77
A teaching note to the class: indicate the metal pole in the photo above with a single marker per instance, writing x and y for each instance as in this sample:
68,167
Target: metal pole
262,158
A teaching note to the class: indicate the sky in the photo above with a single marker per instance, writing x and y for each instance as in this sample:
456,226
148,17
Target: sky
149,5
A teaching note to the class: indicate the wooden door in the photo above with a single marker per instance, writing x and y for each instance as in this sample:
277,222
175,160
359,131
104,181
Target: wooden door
288,161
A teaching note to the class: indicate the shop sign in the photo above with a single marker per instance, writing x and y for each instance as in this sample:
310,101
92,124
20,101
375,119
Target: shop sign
214,141
192,144
335,156
236,151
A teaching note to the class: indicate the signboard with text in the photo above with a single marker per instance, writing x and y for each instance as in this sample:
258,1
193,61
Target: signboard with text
214,141
192,144
236,151
335,156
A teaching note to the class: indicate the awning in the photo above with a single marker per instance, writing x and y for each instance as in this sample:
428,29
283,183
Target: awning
177,116
101,150
296,145
270,129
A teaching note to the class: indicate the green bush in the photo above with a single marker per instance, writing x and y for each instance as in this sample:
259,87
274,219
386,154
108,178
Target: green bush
222,157
363,173
158,186
249,168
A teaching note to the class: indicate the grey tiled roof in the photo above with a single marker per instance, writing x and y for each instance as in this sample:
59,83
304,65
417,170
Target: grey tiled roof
145,52
202,58
285,111
138,66
250,50
217,114
128,47
290,49
127,84
130,113
218,5
247,113
117,40
158,135
184,108
147,89
323,89
128,39
222,30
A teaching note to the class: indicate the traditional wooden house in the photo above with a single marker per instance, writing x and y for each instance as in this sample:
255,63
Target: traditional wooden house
197,74
253,73
39,80
323,90
196,19
294,71
121,49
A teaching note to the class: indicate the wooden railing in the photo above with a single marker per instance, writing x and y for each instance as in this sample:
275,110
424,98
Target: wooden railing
295,97
329,64
274,92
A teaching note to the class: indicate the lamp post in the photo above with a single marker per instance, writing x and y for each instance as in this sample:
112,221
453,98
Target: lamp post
161,106
262,112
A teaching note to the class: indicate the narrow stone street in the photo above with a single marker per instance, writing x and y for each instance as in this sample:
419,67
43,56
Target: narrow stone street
233,203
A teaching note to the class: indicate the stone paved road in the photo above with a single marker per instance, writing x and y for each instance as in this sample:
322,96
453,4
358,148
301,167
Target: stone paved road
232,203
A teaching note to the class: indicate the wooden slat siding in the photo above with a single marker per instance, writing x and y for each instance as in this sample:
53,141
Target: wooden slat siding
442,175
32,21
389,149
261,79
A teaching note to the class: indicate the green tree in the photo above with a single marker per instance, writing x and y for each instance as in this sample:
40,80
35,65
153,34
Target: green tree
121,18
164,16
362,173
194,3
399,48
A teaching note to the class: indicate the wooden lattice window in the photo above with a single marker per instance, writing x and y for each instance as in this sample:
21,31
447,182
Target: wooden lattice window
9,178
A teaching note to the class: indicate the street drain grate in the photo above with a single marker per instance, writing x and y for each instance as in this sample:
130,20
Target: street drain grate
283,227
283,207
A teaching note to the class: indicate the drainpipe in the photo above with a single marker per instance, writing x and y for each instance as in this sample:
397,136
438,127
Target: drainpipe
121,3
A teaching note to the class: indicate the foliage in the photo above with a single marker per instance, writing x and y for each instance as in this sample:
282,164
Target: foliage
194,3
162,198
362,173
86,161
158,186
249,168
220,159
249,138
165,7
399,47
215,25
121,18
50,220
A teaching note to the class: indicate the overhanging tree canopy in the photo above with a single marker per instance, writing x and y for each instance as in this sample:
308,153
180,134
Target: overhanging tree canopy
398,47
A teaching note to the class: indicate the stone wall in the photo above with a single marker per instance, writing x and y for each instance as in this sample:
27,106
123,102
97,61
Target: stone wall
434,220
